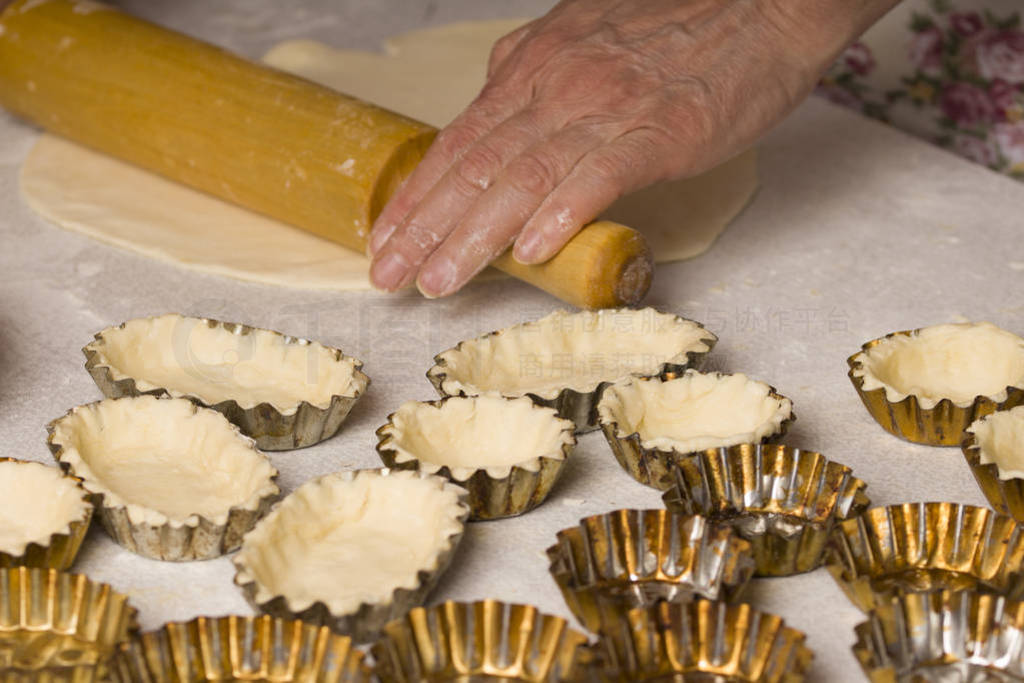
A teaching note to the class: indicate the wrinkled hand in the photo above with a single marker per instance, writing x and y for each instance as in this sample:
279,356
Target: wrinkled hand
592,101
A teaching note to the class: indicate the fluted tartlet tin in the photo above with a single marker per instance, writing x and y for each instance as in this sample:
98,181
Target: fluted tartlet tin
485,640
535,357
361,618
624,559
138,526
650,461
237,648
496,490
941,636
1002,484
933,423
784,500
56,626
916,547
274,427
64,538
705,640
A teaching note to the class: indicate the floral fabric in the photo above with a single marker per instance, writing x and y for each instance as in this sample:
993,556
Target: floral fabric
945,70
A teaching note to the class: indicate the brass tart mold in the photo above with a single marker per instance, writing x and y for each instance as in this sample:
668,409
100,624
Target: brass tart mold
188,487
227,367
994,449
928,419
30,539
59,627
704,640
651,423
565,360
237,648
784,500
915,547
612,563
323,553
507,453
488,639
943,636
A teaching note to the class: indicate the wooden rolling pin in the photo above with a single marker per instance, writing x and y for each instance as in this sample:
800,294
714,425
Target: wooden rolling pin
263,139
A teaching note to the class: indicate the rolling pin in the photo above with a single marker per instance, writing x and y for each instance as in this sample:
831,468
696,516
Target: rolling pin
260,138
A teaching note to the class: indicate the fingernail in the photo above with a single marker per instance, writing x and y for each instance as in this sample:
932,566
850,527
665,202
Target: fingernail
388,272
438,280
527,248
378,236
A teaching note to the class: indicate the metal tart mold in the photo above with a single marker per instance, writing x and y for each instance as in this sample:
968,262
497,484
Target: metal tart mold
46,515
285,392
188,487
994,449
485,640
783,500
917,547
930,416
612,563
507,453
565,360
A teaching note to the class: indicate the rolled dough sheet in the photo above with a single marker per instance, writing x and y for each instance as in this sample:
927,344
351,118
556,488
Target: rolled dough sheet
430,74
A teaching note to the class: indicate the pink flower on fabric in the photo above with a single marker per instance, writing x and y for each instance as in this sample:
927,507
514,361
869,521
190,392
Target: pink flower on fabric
966,105
840,96
1003,98
976,149
966,23
1001,55
859,59
926,50
1009,137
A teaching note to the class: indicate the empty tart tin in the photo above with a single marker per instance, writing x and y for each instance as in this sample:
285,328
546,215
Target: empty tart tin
56,626
44,515
237,648
941,636
705,640
171,480
915,547
652,422
507,453
994,449
353,550
480,641
927,385
284,392
565,360
612,563
783,500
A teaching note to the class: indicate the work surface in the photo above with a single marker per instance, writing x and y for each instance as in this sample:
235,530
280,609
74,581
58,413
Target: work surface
857,231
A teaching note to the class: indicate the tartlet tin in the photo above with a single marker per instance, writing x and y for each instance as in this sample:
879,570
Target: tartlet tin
615,562
236,648
916,547
580,406
1005,495
56,626
705,640
784,500
273,429
486,640
494,493
941,425
62,547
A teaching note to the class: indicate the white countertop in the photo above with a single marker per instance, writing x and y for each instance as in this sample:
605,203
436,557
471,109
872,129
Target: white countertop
857,231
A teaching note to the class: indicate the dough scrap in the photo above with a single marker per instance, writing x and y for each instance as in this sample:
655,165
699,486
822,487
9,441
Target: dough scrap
429,74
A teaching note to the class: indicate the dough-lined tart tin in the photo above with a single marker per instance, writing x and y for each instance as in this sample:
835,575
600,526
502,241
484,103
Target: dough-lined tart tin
56,626
507,453
785,501
170,480
480,641
705,640
44,515
237,648
285,392
928,385
994,449
565,360
612,563
353,550
941,636
917,547
650,423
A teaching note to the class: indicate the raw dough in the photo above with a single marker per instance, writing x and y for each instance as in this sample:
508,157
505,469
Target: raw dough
1000,441
430,74
36,502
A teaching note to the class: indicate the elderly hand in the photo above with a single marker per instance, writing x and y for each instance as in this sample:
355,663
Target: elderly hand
592,101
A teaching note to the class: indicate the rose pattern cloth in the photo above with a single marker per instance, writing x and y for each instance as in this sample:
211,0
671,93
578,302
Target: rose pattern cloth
944,70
